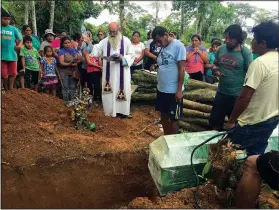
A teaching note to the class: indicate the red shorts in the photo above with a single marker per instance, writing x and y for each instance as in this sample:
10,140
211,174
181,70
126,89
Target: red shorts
8,68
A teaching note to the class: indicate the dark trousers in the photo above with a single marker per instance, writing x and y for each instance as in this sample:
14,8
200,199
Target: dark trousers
83,75
31,78
94,84
222,107
254,138
196,76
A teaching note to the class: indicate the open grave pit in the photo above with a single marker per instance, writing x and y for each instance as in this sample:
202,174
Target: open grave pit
47,163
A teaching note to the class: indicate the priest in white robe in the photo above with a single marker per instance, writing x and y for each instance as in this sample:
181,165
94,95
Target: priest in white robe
116,77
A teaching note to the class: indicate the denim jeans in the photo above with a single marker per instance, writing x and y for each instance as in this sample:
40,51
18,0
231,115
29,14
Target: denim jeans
254,138
69,86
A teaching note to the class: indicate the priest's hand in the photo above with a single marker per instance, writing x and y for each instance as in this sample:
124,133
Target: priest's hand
118,59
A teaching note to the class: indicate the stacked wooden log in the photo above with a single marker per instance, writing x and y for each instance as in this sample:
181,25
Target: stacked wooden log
197,103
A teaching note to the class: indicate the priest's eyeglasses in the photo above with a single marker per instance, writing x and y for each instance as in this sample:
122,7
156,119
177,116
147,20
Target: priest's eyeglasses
113,32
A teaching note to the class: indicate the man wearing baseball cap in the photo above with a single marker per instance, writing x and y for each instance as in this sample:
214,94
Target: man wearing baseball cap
49,37
11,42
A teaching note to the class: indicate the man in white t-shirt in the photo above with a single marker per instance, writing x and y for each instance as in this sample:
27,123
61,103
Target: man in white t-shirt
257,115
256,109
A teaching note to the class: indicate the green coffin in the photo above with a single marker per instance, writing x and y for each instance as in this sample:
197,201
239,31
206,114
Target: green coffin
169,159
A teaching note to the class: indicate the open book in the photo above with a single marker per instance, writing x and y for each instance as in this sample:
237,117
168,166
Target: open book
113,57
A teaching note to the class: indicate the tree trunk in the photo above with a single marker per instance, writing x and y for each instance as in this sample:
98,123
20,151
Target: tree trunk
195,114
200,27
191,127
197,17
51,19
121,16
182,22
157,4
197,106
33,18
26,13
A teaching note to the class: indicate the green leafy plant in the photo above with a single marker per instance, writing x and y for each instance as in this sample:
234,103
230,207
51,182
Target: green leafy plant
80,106
206,169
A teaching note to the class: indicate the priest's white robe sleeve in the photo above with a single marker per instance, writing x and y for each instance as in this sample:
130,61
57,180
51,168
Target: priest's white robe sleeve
97,50
130,53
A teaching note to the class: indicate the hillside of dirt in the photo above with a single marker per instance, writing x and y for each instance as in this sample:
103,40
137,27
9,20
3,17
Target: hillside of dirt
38,127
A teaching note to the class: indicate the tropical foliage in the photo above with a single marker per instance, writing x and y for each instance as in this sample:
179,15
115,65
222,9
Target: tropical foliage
207,18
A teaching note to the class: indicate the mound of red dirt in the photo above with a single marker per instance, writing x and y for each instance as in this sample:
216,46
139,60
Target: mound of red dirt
207,198
36,125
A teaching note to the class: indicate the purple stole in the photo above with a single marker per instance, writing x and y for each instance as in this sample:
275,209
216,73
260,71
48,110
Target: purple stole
107,89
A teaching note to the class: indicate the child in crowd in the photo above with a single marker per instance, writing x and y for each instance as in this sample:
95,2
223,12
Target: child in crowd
11,42
49,37
30,63
94,74
215,44
49,71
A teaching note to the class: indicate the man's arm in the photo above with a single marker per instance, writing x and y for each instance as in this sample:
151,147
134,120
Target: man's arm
149,54
241,104
181,57
18,45
18,38
255,75
181,73
215,67
147,50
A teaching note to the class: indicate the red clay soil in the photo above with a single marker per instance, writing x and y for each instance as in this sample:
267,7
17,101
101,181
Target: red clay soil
183,199
209,197
36,126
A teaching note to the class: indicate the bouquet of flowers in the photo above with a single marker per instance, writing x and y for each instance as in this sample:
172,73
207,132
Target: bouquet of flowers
80,105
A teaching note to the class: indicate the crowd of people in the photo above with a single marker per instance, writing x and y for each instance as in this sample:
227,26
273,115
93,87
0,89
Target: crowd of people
247,80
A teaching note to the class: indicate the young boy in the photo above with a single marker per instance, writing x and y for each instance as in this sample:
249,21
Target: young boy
10,43
30,63
215,44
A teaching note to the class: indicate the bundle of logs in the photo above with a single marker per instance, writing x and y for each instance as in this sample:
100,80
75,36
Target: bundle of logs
197,103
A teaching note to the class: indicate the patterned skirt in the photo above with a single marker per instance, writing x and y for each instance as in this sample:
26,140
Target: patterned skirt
49,80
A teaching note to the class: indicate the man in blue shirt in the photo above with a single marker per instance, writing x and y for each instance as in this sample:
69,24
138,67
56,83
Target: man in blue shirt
171,62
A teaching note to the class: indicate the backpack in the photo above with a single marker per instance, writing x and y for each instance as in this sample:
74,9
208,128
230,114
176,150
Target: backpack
244,60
